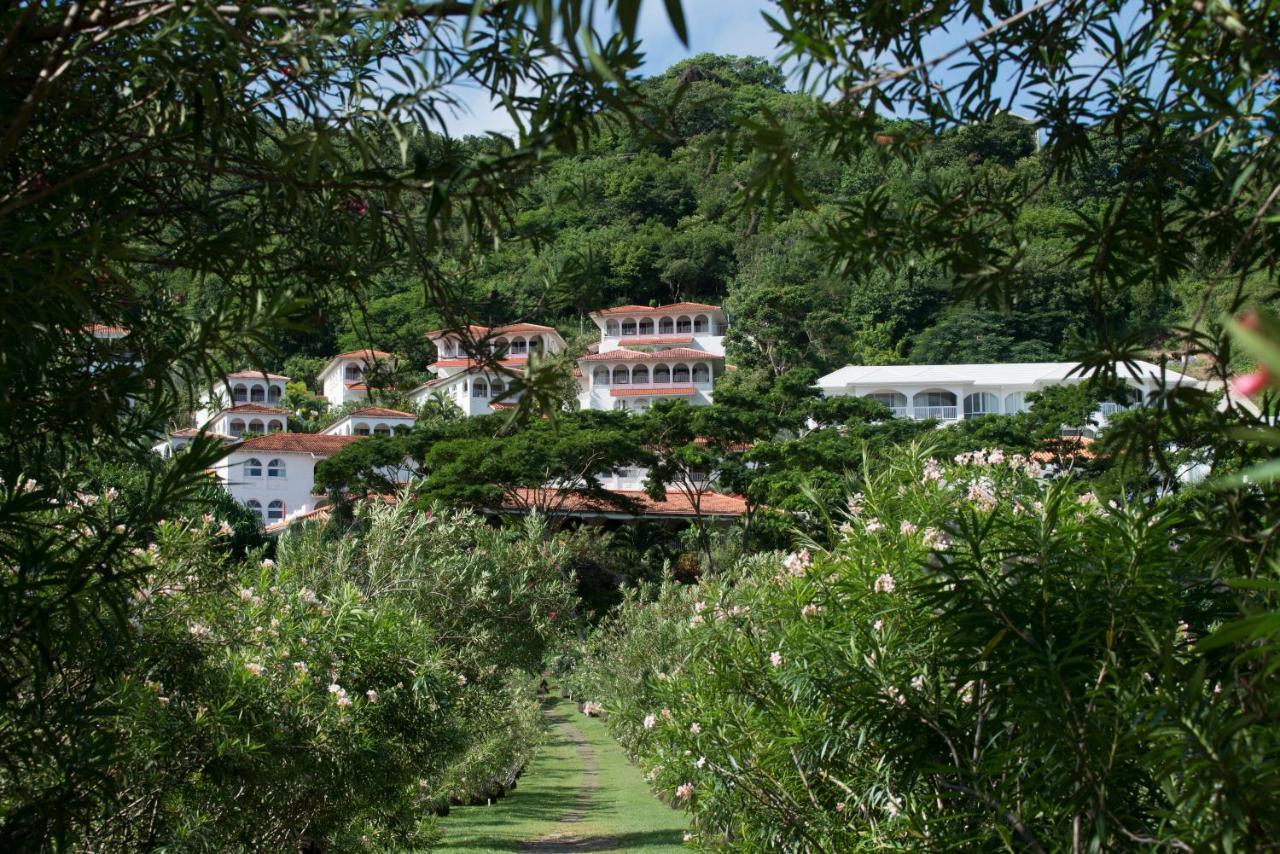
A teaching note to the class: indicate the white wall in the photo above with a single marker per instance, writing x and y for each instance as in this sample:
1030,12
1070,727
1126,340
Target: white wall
294,489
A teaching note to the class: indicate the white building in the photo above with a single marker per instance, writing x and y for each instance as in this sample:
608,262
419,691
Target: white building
693,325
273,475
344,378
472,386
372,421
244,418
240,387
954,392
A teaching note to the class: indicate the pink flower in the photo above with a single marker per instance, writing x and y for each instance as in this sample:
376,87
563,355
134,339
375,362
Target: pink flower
877,625
907,529
372,695
666,714
775,658
684,790
343,701
650,721
1250,384
810,610
932,471
695,727
885,583
797,562
840,807
253,668
874,525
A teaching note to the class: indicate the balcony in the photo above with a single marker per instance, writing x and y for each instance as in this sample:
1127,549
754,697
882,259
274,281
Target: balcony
945,413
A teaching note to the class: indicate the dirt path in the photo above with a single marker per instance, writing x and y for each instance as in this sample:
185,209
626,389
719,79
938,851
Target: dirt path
563,838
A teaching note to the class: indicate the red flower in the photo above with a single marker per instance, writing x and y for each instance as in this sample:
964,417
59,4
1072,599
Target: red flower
551,615
1250,384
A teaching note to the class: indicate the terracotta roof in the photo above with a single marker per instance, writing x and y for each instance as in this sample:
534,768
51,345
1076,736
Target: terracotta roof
255,375
622,354
380,412
364,354
103,329
502,406
357,386
471,329
677,504
512,362
475,331
255,407
192,432
660,309
658,339
300,443
520,327
654,391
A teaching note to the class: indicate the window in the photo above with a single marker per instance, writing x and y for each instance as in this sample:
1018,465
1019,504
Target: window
275,468
257,394
240,394
683,324
981,403
237,427
934,404
600,376
611,328
382,430
646,326
535,345
629,327
896,401
274,426
662,374
275,511
621,376
700,323
479,388
496,387
666,326
361,429
519,347
1015,402
253,467
680,374
701,374
353,373
255,506
256,426
640,376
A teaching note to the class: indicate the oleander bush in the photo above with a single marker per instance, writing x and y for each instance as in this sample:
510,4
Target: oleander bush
986,659
340,694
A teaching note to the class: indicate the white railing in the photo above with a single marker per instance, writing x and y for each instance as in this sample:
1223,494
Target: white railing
946,413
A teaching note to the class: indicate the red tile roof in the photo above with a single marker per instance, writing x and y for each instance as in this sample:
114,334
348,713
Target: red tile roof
515,361
654,391
502,406
321,444
256,407
255,375
474,331
660,309
192,432
357,386
103,329
676,505
681,354
380,412
658,339
363,354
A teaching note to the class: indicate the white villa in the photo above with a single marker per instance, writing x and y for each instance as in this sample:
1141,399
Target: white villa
244,418
372,421
473,387
954,392
240,387
273,475
652,353
343,379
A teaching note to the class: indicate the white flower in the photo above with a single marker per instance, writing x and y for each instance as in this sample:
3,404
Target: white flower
701,763
874,525
966,692
932,471
198,630
810,610
308,596
895,695
695,727
372,695
996,457
936,540
695,620
253,668
917,683
246,594
650,721
300,666
267,563
688,837
684,790
885,583
797,562
907,529
775,658
343,701
855,503
462,680
840,807
877,625
335,688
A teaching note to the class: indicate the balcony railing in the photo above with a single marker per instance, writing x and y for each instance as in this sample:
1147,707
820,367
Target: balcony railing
946,413
656,386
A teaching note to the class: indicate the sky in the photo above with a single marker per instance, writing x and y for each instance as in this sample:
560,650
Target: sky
715,26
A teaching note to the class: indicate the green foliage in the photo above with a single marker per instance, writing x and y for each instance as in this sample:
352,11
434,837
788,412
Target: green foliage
982,659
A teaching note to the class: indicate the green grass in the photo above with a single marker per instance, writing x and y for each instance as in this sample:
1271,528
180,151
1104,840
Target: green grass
621,808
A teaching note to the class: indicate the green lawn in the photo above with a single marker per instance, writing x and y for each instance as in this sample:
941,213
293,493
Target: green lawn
616,813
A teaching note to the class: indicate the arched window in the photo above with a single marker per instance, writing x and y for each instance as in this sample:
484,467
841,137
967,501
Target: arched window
621,376
662,374
600,376
274,393
981,403
896,401
535,344
353,373
934,404
275,425
683,324
519,346
640,376
666,326
382,430
361,429
646,326
237,427
611,327
257,394
700,323
275,468
629,326
240,394
255,506
479,388
275,511
680,374
1015,402
255,426
701,374
253,467
496,386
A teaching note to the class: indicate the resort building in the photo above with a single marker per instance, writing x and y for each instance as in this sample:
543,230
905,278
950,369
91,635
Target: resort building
372,421
254,418
344,378
954,392
475,387
692,325
238,388
273,475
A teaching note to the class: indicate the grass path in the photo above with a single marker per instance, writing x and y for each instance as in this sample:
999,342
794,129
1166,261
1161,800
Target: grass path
578,794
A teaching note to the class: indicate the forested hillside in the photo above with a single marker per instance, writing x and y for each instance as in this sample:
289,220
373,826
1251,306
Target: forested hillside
657,217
